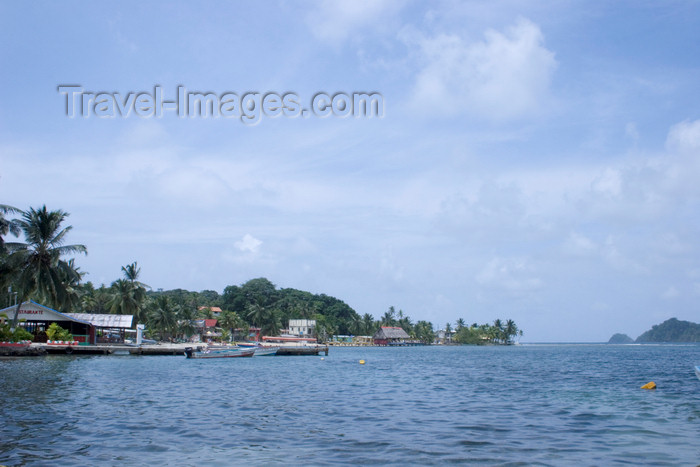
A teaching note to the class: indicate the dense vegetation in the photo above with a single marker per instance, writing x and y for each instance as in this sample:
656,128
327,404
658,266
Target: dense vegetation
620,339
38,270
672,330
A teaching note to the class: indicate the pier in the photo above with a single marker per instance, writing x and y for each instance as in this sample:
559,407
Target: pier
38,349
112,349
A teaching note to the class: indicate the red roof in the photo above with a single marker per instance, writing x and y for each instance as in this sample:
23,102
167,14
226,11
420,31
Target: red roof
209,323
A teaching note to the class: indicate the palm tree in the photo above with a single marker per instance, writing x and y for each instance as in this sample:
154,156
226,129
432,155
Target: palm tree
389,318
162,317
498,329
271,326
131,273
72,276
368,324
128,294
185,321
8,225
460,324
510,330
37,264
257,314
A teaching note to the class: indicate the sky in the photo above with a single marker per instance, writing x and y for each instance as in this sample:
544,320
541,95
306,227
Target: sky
534,161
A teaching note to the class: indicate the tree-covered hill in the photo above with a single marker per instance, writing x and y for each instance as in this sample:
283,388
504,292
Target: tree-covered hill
620,339
672,330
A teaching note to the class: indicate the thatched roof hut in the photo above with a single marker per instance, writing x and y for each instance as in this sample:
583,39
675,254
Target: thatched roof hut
390,335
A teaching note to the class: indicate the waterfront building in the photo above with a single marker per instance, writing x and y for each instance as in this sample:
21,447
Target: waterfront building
302,327
391,335
37,318
110,329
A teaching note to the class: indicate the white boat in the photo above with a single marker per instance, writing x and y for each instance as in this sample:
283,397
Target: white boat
697,371
225,352
260,351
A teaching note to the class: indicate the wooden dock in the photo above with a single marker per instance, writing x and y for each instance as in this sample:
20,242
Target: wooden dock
113,349
38,349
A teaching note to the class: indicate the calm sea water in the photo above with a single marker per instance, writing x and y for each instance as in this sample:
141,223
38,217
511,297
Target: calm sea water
529,405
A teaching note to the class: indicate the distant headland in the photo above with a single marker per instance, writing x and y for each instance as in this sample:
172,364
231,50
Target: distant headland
671,330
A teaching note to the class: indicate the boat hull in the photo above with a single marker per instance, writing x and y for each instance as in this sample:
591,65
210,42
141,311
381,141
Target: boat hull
263,351
218,353
697,371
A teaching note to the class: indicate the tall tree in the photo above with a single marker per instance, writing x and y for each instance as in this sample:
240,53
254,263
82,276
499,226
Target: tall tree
162,317
389,317
8,225
132,272
128,295
36,264
368,324
511,330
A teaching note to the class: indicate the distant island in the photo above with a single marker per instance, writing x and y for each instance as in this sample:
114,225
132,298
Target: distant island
620,339
671,330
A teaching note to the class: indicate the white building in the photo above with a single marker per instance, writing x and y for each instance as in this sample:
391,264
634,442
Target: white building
302,327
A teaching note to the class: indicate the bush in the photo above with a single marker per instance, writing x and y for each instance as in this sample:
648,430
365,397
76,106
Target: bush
57,333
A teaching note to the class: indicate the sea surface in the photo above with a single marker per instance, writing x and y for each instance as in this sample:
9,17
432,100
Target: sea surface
517,405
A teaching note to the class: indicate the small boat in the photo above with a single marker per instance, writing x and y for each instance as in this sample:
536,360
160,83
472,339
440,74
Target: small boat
260,351
226,352
697,371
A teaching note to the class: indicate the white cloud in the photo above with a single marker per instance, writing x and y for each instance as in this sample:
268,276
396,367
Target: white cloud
505,76
684,136
248,243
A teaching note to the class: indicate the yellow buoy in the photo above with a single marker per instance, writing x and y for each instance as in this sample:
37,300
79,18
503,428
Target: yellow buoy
362,362
649,385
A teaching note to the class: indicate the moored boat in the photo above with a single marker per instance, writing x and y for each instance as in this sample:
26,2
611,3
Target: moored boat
263,351
260,350
226,352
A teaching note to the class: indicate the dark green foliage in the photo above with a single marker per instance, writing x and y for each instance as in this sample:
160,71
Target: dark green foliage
672,330
620,339
498,333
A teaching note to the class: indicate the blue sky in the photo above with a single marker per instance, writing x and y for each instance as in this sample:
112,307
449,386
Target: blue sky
535,160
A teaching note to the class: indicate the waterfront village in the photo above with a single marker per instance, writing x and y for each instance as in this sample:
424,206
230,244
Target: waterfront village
51,308
50,331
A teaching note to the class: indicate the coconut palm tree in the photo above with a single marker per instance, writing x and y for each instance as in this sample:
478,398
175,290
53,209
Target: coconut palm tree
162,316
257,314
185,321
8,225
37,264
368,324
72,276
128,295
511,330
498,330
460,324
131,273
389,318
